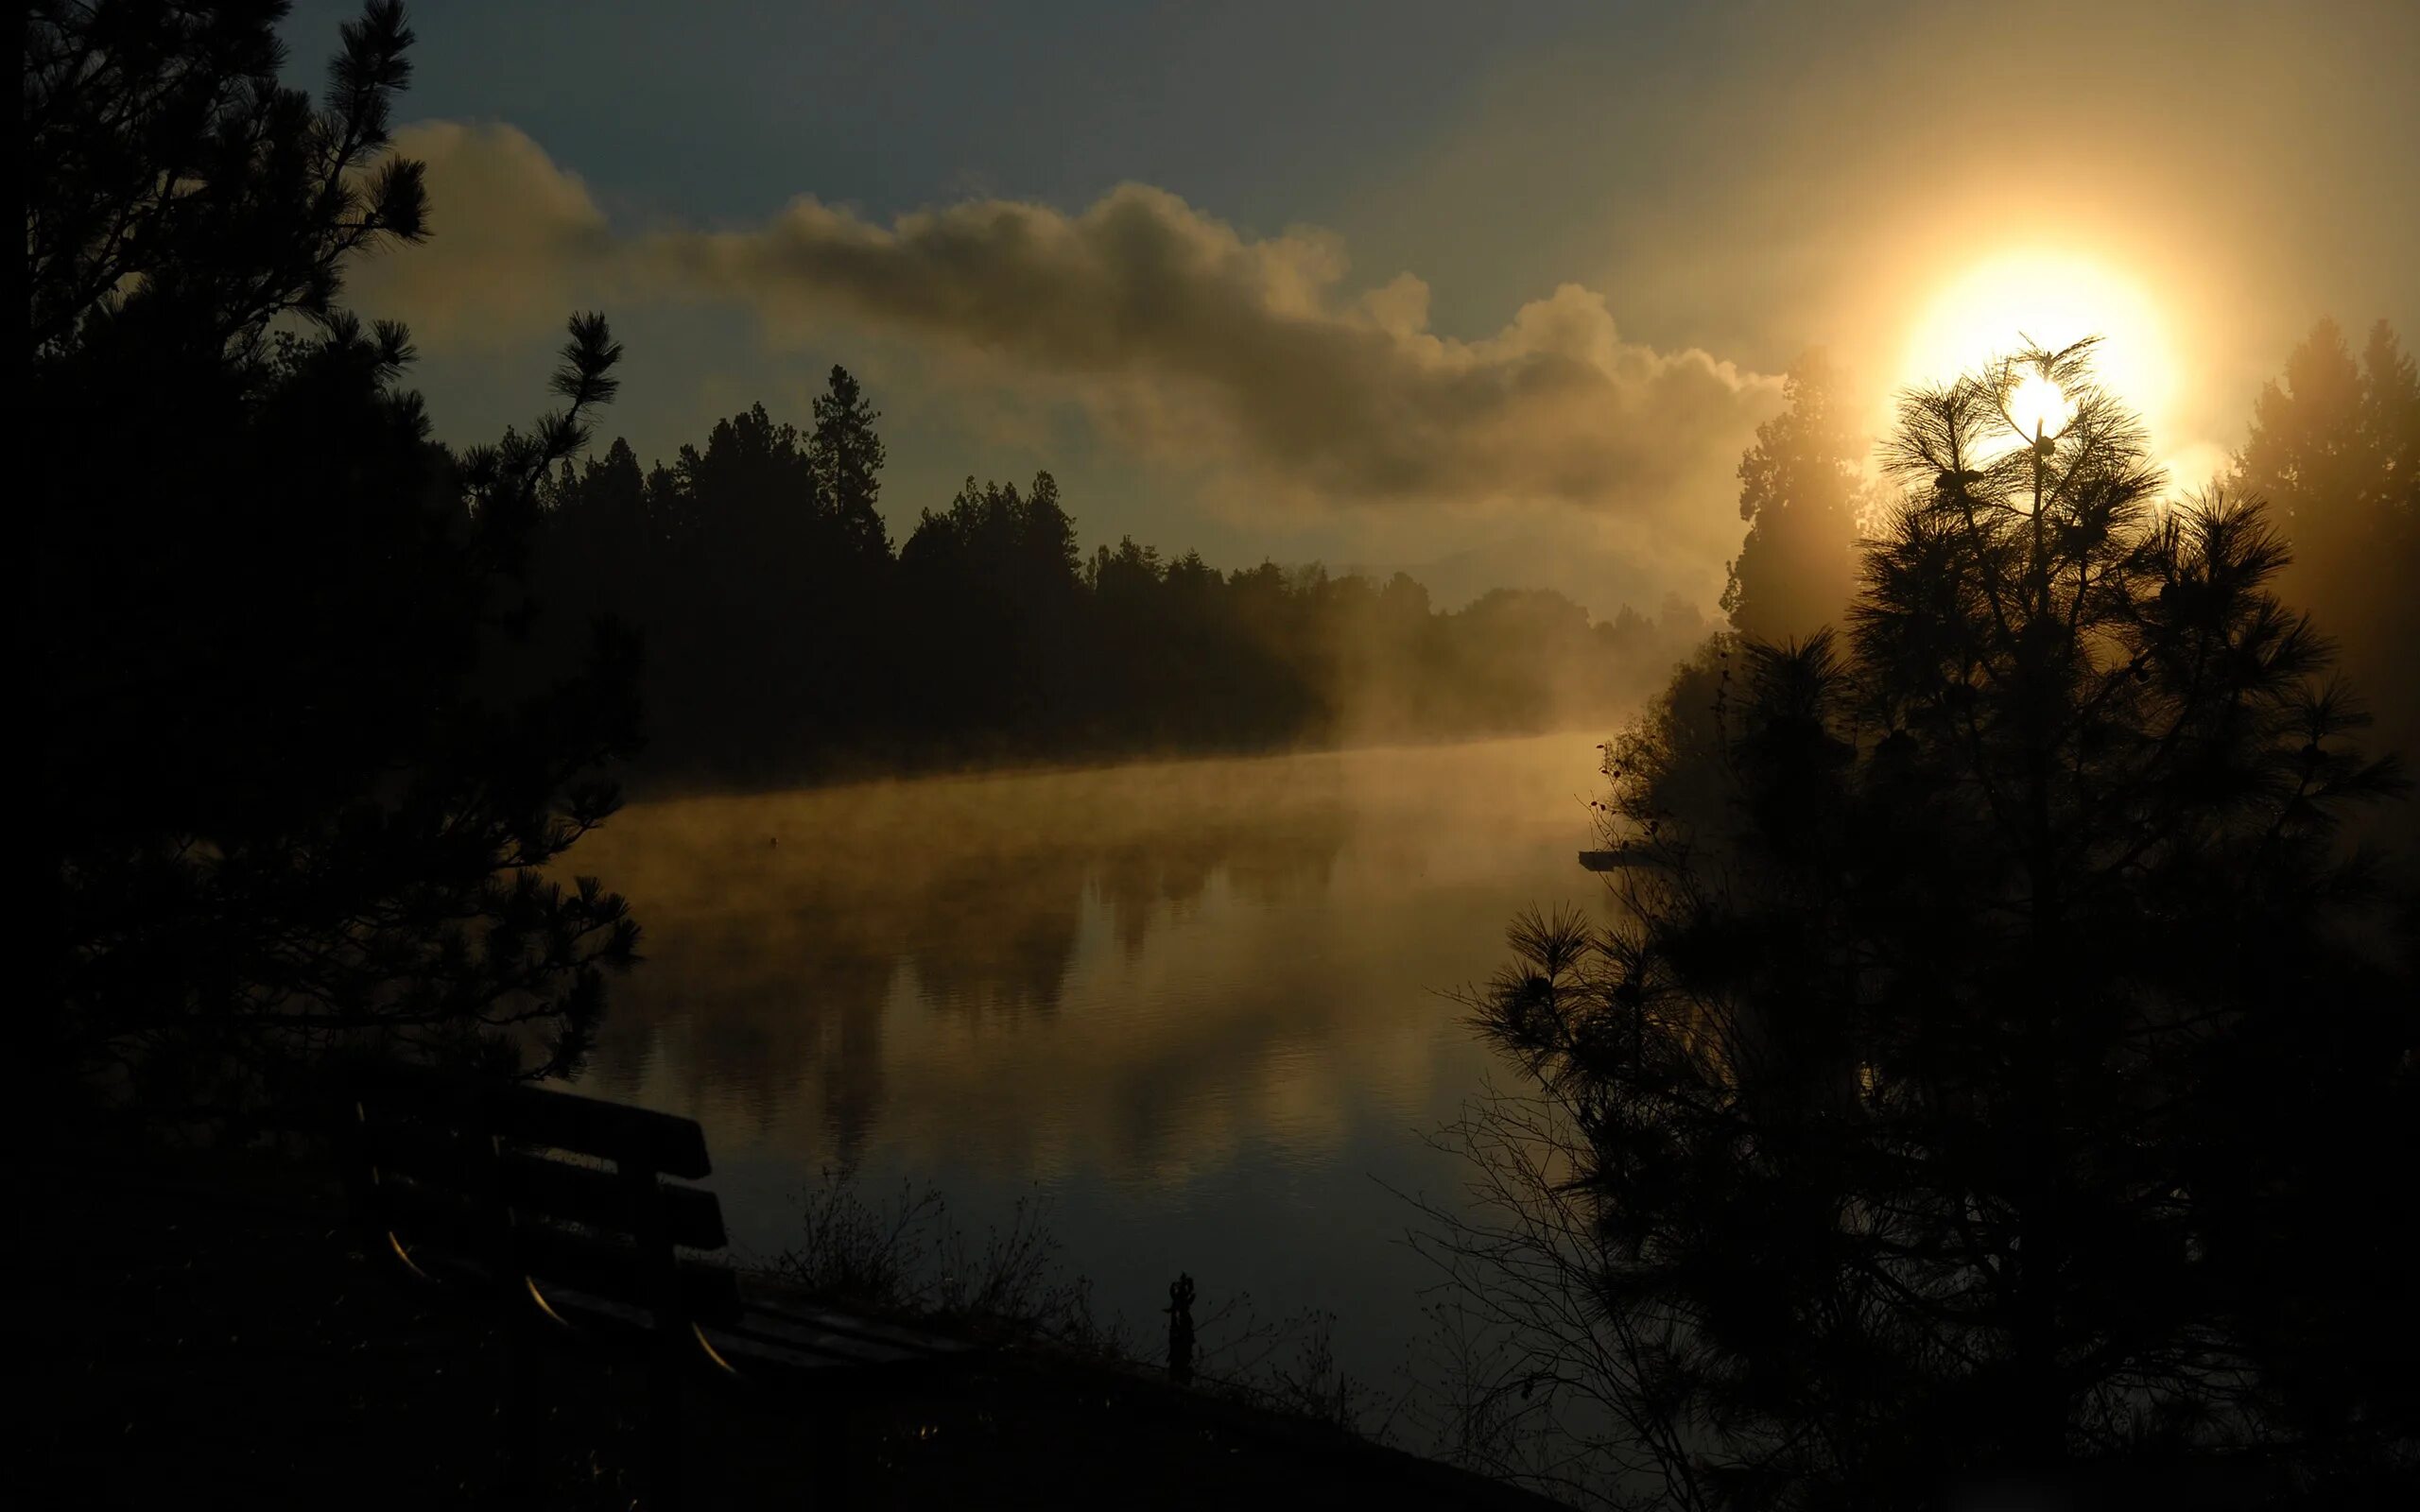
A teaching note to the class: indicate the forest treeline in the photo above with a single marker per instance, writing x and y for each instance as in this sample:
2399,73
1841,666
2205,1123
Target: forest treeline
786,637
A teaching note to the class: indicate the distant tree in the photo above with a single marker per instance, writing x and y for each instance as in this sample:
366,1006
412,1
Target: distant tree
752,489
1800,491
992,588
1404,602
1978,1083
672,523
846,455
1510,656
1190,576
1131,613
1023,544
2335,446
615,487
1046,554
2334,438
1131,573
295,796
2391,413
604,550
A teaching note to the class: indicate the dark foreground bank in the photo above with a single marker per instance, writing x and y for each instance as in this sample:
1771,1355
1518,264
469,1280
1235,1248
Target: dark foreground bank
206,1334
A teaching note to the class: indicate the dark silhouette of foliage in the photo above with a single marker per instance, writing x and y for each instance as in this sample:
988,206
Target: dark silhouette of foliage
1992,1072
300,780
163,155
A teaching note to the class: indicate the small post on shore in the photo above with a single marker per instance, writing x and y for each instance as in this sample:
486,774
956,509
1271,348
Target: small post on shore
1181,1330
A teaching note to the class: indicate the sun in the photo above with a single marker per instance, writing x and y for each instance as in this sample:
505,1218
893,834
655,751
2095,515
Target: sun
2038,406
2051,298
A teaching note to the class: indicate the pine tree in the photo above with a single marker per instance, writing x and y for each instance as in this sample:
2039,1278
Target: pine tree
1940,1110
847,457
298,794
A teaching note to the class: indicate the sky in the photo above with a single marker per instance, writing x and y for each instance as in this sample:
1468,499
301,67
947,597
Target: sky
1494,293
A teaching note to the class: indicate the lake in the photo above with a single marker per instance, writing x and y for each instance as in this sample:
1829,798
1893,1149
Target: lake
1198,1008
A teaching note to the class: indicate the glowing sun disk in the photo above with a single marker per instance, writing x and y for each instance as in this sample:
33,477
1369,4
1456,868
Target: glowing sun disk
2038,407
2051,298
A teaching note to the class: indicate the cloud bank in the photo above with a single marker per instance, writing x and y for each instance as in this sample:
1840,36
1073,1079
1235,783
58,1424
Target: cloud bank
1189,343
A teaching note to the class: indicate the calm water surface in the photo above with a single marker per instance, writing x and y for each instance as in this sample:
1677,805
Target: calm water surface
1196,1008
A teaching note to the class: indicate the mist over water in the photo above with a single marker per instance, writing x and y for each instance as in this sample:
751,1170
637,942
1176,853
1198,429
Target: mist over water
1196,1005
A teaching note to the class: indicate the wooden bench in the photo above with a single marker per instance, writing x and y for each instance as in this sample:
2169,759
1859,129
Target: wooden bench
496,1192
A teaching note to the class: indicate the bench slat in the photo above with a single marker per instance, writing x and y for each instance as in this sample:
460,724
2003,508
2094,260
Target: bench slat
743,1347
535,1115
534,1184
423,1215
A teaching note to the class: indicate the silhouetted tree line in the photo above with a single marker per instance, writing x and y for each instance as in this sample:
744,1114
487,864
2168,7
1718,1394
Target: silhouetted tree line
784,638
299,770
1998,1077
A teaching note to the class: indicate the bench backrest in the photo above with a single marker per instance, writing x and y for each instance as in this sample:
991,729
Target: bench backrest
455,1170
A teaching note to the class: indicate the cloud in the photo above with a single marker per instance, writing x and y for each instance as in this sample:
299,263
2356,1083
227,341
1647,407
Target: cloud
1189,342
515,242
